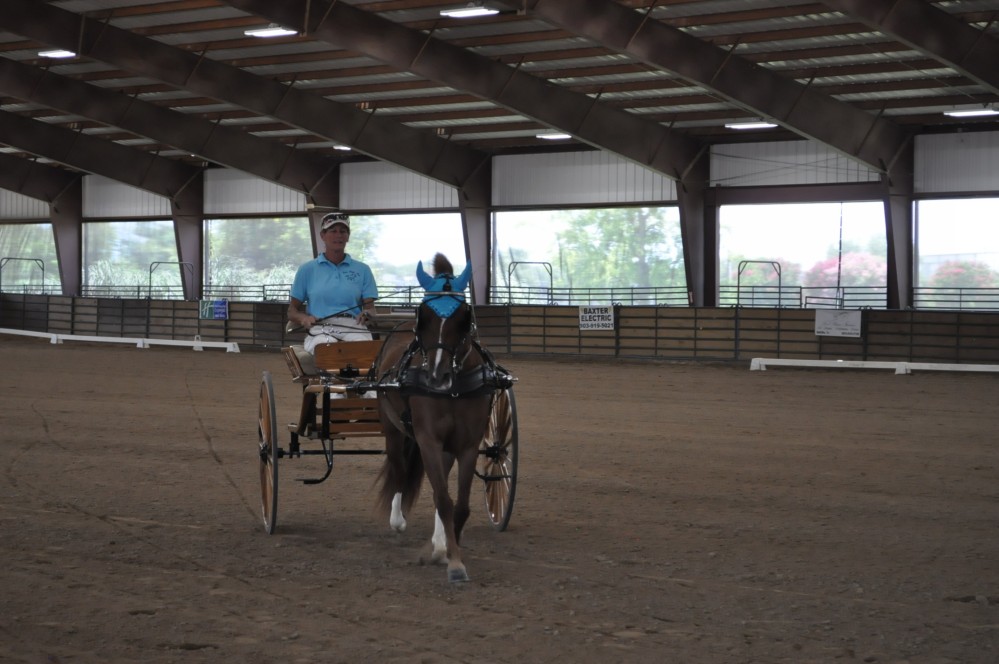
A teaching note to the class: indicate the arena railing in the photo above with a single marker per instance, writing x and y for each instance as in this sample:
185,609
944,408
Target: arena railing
795,297
670,333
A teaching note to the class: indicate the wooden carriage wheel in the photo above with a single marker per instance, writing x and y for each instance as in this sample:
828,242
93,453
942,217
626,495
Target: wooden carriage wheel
497,465
269,453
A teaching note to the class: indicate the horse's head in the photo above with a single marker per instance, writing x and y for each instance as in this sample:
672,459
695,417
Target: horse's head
443,322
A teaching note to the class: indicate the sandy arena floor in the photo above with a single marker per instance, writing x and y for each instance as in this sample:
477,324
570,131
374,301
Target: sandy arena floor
664,513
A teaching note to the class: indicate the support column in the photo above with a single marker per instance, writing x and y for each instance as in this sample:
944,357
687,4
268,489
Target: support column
474,200
66,213
700,250
899,184
188,210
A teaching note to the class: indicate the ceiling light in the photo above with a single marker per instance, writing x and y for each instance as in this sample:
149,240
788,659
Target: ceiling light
756,124
468,11
971,112
342,147
57,53
271,30
554,136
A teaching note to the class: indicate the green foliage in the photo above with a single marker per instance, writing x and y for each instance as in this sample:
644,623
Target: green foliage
23,245
602,248
253,246
123,253
619,247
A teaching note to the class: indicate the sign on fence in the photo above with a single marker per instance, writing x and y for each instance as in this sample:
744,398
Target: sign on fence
837,322
214,310
596,318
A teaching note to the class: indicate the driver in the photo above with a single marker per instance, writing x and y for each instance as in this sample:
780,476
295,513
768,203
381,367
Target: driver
332,294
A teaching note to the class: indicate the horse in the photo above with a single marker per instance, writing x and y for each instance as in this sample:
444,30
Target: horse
435,392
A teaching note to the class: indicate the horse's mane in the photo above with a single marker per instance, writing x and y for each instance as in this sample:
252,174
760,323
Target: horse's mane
442,265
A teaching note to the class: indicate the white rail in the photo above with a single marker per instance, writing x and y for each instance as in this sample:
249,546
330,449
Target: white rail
761,364
195,344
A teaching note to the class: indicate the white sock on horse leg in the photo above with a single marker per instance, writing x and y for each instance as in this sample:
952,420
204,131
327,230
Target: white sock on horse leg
439,540
396,519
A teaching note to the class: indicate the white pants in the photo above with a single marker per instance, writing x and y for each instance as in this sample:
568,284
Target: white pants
343,328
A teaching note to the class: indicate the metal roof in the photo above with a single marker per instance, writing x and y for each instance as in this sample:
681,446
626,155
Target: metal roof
654,81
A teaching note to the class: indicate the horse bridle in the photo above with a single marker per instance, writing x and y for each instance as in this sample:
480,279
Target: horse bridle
464,340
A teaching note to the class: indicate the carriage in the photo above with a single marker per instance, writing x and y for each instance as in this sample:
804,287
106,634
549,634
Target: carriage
341,397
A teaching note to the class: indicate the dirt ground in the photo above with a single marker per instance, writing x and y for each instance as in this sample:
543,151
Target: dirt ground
664,513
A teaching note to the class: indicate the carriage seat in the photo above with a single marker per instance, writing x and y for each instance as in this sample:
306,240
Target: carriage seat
345,357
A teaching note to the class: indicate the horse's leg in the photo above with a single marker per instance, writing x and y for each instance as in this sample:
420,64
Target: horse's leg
437,548
396,480
466,473
438,542
435,467
397,519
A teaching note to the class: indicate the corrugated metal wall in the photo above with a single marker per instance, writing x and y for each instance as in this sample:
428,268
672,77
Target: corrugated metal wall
382,186
950,163
107,199
782,163
18,206
229,192
575,178
945,163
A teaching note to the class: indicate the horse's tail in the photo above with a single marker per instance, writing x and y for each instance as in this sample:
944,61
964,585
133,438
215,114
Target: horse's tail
402,472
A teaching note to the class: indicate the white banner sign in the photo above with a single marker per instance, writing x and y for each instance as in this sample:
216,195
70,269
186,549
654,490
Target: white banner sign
596,318
837,322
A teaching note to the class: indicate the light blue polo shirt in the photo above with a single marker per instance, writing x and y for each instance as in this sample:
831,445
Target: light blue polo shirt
329,289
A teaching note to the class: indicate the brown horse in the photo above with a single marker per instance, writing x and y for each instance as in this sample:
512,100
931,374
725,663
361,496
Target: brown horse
435,390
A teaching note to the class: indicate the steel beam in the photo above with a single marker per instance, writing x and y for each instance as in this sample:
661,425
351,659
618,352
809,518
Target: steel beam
311,174
926,28
870,139
30,178
63,191
414,149
159,175
181,183
640,140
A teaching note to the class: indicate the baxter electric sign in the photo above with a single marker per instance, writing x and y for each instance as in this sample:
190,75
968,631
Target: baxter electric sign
596,318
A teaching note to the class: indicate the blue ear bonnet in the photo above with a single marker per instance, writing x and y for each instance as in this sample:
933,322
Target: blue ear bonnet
445,292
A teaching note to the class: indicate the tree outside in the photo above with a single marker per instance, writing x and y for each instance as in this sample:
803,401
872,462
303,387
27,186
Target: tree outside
964,274
761,272
590,249
125,258
31,263
853,269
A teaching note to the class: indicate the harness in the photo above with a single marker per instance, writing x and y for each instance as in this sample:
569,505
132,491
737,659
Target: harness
486,378
411,375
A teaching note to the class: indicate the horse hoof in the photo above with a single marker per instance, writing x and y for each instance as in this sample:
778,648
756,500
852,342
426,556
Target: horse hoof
457,575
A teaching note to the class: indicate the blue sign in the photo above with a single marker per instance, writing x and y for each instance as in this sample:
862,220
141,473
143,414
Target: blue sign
214,310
